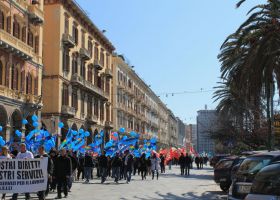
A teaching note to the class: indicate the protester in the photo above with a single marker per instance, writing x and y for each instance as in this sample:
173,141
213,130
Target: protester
116,167
23,154
136,166
201,162
197,161
62,171
53,155
4,155
88,165
103,164
188,161
81,162
149,166
128,166
42,154
162,166
155,165
182,162
109,168
74,165
143,166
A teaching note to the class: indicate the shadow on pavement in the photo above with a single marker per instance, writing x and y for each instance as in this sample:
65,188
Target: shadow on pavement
196,176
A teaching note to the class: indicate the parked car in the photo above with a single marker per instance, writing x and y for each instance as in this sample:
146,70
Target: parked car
222,171
266,185
242,183
217,158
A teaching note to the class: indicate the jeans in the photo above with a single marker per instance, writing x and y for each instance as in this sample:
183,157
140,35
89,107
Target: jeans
116,173
103,173
88,173
187,171
182,167
128,175
62,183
80,171
153,174
69,182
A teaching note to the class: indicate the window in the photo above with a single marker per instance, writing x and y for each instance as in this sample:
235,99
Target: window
108,113
75,34
15,76
23,34
101,112
96,52
9,24
83,69
36,85
30,39
66,59
90,47
75,99
83,39
107,60
89,78
65,95
66,25
2,20
37,44
22,78
16,29
107,88
102,58
95,77
96,107
74,64
83,103
7,80
1,72
28,84
89,106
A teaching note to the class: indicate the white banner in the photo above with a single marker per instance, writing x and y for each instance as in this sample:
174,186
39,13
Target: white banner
23,175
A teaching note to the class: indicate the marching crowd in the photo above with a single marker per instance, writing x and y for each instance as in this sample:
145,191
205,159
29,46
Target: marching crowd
65,167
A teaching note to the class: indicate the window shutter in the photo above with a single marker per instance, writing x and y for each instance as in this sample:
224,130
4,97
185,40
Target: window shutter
1,20
22,81
37,44
23,35
14,77
7,80
9,24
36,86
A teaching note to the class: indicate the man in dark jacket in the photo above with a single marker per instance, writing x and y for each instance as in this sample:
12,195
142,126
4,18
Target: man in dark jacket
116,167
74,164
103,164
88,165
42,194
162,165
182,162
62,171
197,160
188,164
128,166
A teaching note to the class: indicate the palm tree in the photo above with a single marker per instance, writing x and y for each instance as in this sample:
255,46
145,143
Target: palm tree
250,57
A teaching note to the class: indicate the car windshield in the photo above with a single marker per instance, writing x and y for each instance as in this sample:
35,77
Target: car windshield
224,164
252,165
267,181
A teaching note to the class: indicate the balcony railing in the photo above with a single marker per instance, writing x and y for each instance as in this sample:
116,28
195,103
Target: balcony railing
17,47
92,118
108,73
85,54
36,15
76,79
68,40
97,64
68,110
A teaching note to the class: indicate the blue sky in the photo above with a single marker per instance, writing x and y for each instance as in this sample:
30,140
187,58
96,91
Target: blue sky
173,44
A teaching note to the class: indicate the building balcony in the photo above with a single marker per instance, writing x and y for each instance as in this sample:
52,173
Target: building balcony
68,110
97,64
78,80
36,15
85,54
17,47
109,125
108,72
92,119
68,40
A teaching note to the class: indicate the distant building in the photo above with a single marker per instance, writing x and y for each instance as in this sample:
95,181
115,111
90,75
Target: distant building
181,132
206,123
191,137
172,130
